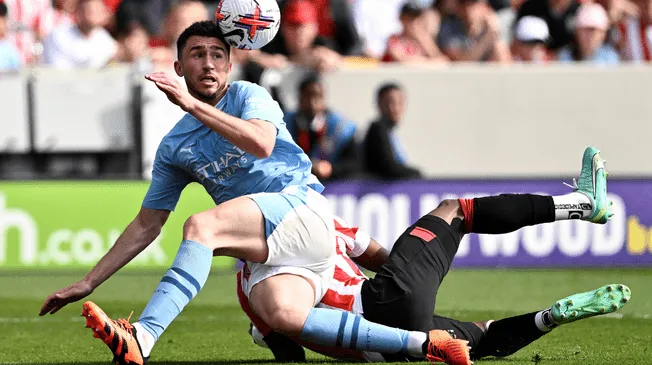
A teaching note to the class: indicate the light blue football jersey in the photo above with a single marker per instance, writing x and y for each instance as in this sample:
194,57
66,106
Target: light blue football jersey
192,152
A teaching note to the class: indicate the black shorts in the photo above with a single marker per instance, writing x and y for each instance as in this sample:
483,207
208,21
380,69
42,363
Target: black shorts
403,293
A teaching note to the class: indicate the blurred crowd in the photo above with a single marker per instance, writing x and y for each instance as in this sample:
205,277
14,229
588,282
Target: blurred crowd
327,34
319,36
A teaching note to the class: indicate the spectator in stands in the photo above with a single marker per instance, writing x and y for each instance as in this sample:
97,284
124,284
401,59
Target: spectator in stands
335,22
474,35
181,16
9,57
558,14
620,10
151,13
506,11
325,136
61,14
384,156
530,37
632,33
298,41
592,25
133,46
416,42
375,22
27,28
85,44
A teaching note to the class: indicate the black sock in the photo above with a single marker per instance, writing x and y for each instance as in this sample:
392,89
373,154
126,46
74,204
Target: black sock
506,336
508,212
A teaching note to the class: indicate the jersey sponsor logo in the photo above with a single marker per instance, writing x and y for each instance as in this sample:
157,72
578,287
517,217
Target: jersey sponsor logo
186,150
219,170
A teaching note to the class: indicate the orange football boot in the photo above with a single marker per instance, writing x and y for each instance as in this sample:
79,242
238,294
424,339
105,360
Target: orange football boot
119,335
442,347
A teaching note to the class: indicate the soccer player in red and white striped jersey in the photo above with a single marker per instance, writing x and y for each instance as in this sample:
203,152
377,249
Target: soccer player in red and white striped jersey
403,292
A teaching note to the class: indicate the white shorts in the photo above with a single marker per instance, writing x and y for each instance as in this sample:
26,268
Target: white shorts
300,233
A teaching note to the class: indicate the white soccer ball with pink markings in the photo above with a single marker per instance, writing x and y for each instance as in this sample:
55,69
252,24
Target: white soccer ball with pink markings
248,24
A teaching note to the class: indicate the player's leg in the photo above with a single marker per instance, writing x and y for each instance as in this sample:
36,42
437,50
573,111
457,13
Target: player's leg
403,292
248,228
305,241
506,336
235,227
509,212
274,298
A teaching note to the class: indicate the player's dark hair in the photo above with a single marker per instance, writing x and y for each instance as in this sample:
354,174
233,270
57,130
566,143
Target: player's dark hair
385,88
313,78
206,28
3,9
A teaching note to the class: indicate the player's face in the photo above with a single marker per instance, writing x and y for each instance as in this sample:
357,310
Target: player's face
205,67
392,105
312,101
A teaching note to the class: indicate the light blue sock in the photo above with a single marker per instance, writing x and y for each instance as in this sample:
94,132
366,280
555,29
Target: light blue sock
330,327
179,285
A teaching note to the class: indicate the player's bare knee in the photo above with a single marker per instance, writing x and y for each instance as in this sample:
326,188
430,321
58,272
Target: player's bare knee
448,210
196,228
288,320
283,314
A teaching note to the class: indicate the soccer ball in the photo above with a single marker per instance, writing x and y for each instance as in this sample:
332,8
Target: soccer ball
248,24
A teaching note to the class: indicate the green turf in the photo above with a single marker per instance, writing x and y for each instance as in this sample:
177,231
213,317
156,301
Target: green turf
212,330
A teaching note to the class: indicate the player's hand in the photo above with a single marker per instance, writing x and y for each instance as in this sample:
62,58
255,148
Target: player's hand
173,89
64,296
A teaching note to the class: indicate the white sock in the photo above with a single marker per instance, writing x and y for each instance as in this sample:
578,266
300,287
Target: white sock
572,206
543,321
415,343
145,339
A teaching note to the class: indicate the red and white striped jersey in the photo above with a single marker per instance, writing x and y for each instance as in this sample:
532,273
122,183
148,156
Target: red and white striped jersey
26,24
344,289
634,40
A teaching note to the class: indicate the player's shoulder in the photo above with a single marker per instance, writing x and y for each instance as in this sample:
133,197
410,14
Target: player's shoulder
171,141
247,89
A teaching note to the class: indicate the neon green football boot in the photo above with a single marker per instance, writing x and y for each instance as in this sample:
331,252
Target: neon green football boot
606,299
593,184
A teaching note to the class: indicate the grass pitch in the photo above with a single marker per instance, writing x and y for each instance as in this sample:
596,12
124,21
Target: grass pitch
213,330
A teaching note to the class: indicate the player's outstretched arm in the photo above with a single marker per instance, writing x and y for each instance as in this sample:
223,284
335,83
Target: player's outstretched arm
137,236
254,136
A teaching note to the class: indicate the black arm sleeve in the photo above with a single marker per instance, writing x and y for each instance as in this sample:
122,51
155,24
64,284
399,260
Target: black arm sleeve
348,163
379,155
284,349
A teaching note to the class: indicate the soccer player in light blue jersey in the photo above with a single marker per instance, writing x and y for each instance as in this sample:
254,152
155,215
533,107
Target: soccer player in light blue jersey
269,212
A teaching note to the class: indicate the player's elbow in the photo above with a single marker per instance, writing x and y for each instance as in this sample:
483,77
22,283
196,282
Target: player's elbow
264,149
263,139
263,146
